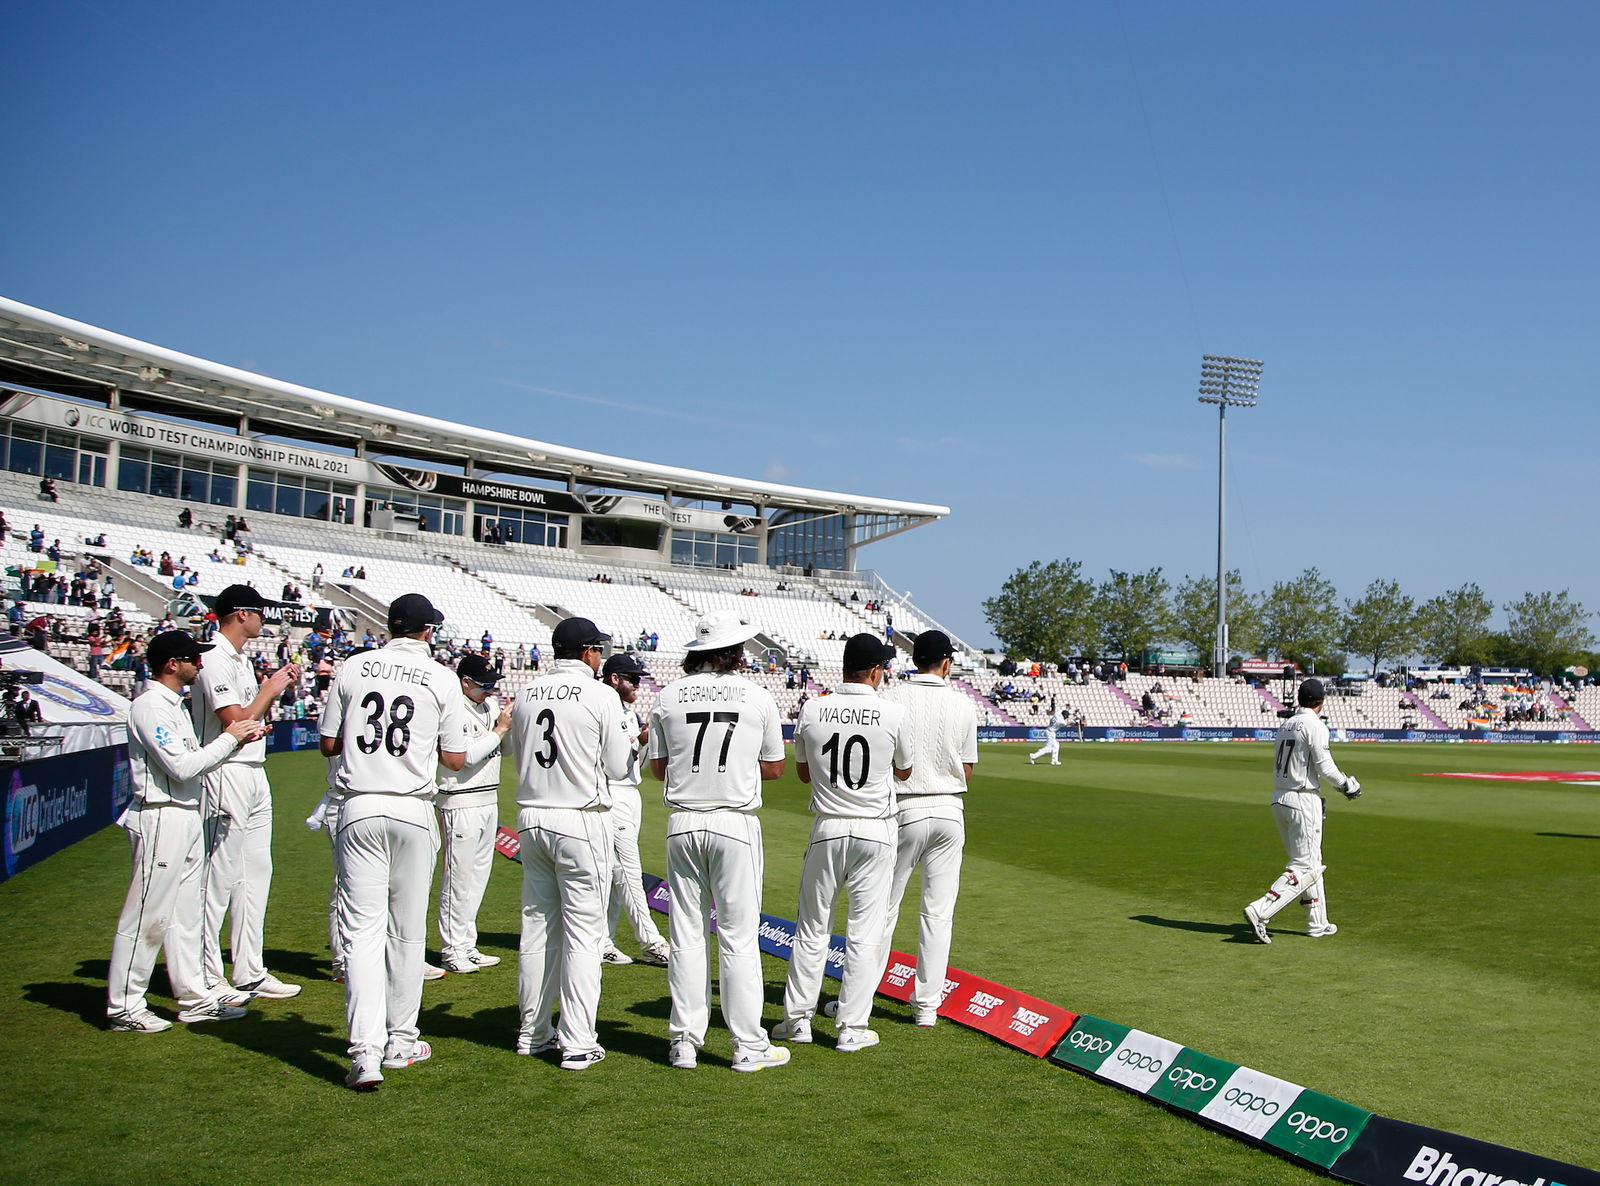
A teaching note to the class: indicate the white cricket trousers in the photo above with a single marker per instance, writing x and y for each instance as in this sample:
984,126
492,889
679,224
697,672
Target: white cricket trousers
330,824
162,909
931,836
627,875
467,852
384,857
856,855
1299,816
1051,746
716,857
566,870
238,840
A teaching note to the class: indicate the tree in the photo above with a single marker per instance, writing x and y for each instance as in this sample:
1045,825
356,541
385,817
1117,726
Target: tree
1194,615
1548,631
1382,625
1133,612
1044,611
1300,619
1454,626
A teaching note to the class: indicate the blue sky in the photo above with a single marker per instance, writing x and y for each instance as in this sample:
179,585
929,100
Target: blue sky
962,254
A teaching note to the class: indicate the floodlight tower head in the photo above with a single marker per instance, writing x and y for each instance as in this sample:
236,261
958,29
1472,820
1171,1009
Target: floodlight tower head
1232,382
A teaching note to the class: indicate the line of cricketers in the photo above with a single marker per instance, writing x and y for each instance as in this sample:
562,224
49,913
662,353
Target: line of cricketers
414,754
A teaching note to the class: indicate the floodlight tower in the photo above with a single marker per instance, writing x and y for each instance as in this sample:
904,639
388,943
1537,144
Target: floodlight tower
1228,383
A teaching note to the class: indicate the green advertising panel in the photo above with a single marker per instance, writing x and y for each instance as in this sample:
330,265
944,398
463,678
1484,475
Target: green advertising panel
1192,1080
1088,1043
1318,1128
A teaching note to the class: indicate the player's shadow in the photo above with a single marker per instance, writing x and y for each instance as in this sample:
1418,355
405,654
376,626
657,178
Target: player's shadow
1569,835
1230,932
495,1028
297,965
309,1046
506,940
87,1001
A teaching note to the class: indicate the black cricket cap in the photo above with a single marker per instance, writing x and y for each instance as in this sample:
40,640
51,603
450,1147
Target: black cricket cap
173,644
1311,693
411,613
573,634
237,597
862,652
477,669
930,647
623,664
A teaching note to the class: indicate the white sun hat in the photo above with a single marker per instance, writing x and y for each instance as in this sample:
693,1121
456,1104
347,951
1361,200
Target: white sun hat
718,629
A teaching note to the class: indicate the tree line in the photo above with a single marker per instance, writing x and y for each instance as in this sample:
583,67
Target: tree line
1052,611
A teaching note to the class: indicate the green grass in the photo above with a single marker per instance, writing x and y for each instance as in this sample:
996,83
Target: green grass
1461,992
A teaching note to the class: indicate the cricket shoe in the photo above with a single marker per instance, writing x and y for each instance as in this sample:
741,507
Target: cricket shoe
1323,932
830,1009
483,961
364,1074
798,1030
336,972
461,967
270,988
655,955
211,1010
683,1055
432,971
760,1060
526,1045
1257,924
420,1052
1030,761
925,1017
612,956
856,1039
228,995
583,1060
139,1021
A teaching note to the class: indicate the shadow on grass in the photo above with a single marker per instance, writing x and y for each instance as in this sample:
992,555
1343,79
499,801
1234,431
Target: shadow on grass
86,1001
1231,932
1569,835
296,965
312,1047
496,1029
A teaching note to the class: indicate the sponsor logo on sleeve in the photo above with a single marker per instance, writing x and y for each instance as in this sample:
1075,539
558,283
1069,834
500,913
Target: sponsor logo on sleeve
1192,1080
1317,1128
1251,1102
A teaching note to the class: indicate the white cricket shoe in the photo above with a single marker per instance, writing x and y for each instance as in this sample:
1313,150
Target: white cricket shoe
1323,932
852,1040
583,1060
420,1052
798,1030
830,1009
270,988
364,1074
760,1060
1257,924
683,1055
925,1017
612,956
212,1010
432,971
139,1021
483,961
655,955
526,1044
231,996
461,967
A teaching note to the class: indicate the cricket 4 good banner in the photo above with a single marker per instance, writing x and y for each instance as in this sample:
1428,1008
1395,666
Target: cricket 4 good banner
1394,1153
52,803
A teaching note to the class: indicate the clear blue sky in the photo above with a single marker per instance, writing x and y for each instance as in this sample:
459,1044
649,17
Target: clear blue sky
964,254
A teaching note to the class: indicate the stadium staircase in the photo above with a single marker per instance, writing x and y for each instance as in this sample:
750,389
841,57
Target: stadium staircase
550,615
1138,709
1430,718
1272,701
1574,718
984,704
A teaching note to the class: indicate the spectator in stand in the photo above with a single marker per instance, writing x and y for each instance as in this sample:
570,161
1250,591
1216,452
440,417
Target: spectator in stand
185,518
54,551
36,539
519,658
47,489
499,663
533,656
361,573
316,576
164,569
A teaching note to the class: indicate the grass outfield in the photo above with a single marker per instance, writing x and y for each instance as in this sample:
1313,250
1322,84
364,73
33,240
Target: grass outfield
1460,993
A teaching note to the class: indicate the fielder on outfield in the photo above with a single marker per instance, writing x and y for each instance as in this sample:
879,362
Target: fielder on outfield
163,908
622,674
1300,760
715,737
1052,743
931,816
566,731
850,747
394,714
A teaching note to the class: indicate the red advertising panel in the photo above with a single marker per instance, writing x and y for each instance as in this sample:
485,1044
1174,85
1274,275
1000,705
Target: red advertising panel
507,843
1013,1017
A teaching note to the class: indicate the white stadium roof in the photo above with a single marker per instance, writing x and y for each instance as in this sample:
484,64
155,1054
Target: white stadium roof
48,352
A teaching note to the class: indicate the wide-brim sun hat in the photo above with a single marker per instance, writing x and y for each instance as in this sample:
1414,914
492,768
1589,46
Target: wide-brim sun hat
718,629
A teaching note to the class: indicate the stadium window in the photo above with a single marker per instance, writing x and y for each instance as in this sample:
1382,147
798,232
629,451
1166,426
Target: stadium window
319,499
61,456
164,470
91,462
27,450
258,491
290,496
133,471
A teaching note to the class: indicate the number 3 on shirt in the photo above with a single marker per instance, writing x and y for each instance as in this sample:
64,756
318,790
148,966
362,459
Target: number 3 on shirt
396,735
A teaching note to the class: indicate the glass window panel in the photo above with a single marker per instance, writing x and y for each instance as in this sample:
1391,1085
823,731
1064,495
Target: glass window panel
224,490
163,479
195,487
133,475
288,500
60,462
25,456
258,494
318,503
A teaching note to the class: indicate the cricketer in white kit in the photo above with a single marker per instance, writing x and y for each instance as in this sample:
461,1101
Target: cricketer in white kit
715,737
394,715
469,816
163,907
621,674
931,816
1300,760
566,732
238,801
850,747
1052,743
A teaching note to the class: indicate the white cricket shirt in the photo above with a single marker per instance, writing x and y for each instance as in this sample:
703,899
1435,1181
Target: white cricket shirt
165,758
631,728
944,735
714,729
1300,758
394,708
227,680
477,783
852,741
566,733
